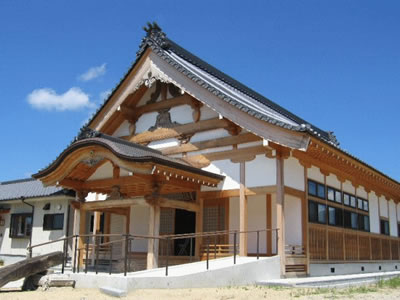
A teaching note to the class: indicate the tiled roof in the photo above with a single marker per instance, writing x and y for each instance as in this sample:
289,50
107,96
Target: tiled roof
125,150
222,85
27,188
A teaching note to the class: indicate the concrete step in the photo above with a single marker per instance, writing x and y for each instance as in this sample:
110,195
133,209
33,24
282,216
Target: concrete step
331,281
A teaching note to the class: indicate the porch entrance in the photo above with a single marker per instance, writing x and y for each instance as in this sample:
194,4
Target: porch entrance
185,222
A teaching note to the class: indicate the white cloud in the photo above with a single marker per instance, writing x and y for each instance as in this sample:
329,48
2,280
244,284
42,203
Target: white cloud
48,99
93,73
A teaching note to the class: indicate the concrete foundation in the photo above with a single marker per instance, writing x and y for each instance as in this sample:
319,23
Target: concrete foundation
222,272
328,269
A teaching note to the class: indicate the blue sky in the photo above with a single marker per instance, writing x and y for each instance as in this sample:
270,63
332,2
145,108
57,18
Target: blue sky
334,63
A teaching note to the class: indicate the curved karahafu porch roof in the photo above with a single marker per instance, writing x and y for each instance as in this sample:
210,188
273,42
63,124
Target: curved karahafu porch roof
146,170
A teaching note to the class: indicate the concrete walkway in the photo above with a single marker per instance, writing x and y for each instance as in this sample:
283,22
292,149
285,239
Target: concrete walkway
331,281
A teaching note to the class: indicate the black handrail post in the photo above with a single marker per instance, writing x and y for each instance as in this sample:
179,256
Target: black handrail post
87,254
126,254
234,247
277,239
167,258
96,249
64,255
75,253
208,250
129,257
79,259
110,267
191,248
258,244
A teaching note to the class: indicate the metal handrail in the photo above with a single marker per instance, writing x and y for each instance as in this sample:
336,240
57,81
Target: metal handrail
128,238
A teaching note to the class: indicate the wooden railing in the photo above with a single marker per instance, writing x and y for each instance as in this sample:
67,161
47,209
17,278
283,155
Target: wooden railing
328,243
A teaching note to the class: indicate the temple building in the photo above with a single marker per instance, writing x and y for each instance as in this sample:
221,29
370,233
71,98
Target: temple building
179,147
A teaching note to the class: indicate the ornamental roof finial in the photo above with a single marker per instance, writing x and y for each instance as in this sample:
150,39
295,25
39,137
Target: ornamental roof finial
155,33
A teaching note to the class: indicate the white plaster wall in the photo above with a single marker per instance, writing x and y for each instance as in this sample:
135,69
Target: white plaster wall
123,129
260,172
147,95
383,205
182,114
373,213
315,174
145,122
392,218
398,211
361,192
293,232
103,172
257,220
17,246
332,181
207,113
209,135
274,222
294,173
230,170
348,187
139,225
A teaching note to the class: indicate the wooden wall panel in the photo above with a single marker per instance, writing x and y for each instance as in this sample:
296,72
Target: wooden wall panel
351,247
335,242
376,248
317,240
365,248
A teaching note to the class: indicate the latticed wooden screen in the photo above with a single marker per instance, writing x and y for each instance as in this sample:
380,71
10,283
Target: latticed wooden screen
167,226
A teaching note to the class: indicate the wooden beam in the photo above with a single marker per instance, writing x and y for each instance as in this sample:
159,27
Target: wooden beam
236,192
135,112
185,205
221,142
204,160
106,204
186,129
243,212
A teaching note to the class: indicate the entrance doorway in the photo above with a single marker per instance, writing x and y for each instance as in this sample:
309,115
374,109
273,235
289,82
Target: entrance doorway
185,222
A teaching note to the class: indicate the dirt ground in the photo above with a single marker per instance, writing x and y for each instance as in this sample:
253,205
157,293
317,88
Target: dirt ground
245,293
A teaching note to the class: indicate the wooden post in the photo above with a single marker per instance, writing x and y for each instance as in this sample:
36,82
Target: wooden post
269,224
75,231
243,211
199,224
82,230
154,230
96,227
280,218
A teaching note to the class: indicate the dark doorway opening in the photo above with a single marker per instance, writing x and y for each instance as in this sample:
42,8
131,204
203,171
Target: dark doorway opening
185,222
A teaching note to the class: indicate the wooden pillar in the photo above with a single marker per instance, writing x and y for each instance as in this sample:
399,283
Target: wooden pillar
199,224
75,231
243,212
154,230
96,227
280,218
82,230
269,224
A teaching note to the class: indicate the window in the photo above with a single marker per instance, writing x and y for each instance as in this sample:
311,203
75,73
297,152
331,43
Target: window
331,194
347,219
366,223
360,203
21,225
316,189
316,212
53,222
365,205
354,220
385,227
335,216
334,195
346,199
338,196
352,201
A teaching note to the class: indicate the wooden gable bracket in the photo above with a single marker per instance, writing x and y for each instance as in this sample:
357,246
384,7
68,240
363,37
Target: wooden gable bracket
278,151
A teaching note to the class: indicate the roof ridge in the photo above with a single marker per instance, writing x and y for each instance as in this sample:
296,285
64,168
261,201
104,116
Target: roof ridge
17,181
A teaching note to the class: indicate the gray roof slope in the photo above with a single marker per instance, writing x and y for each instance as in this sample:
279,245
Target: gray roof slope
125,150
27,188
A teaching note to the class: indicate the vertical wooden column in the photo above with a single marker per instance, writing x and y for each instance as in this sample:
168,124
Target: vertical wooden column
269,224
75,231
199,224
96,227
280,218
82,230
243,211
154,230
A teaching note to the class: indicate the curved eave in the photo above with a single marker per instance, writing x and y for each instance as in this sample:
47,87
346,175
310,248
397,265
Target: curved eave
143,159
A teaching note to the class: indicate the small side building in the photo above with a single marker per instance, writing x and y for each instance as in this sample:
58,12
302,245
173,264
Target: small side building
32,214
